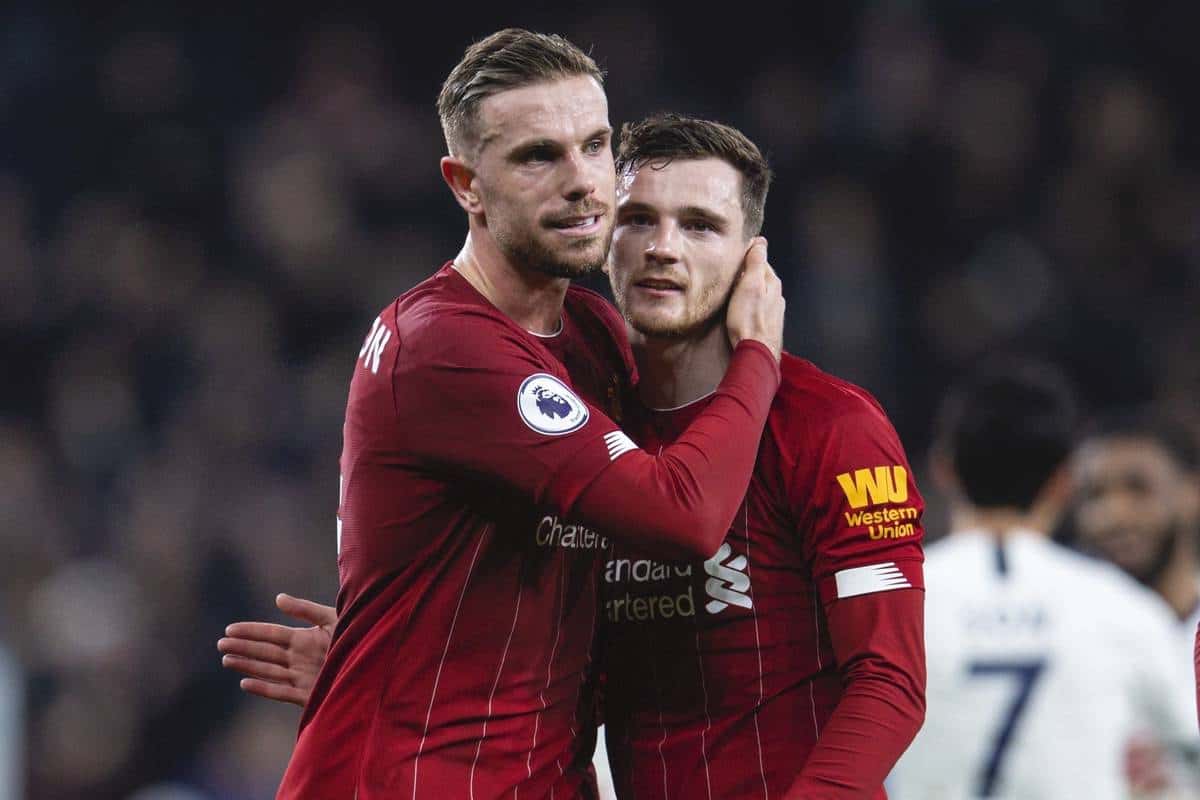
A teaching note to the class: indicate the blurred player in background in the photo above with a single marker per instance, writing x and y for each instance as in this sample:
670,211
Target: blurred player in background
479,462
790,663
1137,504
1043,663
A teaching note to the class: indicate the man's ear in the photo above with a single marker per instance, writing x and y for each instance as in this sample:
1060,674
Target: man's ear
460,177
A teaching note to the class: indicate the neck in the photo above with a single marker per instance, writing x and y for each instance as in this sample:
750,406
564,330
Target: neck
674,372
1178,584
999,521
531,299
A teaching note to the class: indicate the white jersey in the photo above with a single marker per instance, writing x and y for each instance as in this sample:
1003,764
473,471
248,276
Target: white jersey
1187,629
1043,663
1184,768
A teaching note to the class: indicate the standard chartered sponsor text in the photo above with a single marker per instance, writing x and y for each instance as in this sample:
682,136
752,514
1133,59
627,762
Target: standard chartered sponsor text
553,533
678,599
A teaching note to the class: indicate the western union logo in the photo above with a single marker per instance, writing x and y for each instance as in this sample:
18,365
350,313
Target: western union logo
876,486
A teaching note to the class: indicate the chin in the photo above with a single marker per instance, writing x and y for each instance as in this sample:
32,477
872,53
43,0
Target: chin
581,261
558,262
659,327
568,268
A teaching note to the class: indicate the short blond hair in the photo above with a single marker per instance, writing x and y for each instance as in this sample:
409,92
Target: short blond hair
507,59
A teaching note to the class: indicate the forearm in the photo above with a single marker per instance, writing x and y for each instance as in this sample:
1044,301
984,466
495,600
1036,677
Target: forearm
681,502
883,704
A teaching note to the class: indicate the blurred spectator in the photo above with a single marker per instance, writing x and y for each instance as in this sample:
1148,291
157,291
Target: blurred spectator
1137,484
1137,505
199,216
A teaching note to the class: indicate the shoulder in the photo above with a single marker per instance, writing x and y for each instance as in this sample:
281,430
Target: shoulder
442,314
441,322
954,559
440,303
814,409
820,400
1116,593
951,548
1118,588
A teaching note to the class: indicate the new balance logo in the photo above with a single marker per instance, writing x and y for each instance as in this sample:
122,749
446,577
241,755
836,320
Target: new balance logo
372,348
729,585
876,486
870,579
618,444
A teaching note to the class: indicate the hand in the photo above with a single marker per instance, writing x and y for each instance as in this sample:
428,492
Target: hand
756,305
1147,767
282,662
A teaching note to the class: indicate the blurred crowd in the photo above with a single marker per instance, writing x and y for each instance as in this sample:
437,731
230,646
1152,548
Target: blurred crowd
200,215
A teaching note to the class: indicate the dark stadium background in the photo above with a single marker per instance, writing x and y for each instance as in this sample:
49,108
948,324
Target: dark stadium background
202,210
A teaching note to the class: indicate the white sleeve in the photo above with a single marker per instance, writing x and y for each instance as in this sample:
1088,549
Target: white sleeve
1164,682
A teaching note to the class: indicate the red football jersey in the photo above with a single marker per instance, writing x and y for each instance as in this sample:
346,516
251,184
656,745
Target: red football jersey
722,673
1196,658
467,610
466,617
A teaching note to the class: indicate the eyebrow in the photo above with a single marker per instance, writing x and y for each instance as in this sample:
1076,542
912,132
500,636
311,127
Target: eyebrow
532,144
637,207
529,145
599,133
705,213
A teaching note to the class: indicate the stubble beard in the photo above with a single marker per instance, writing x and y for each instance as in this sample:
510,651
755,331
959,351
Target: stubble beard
529,252
705,314
1149,573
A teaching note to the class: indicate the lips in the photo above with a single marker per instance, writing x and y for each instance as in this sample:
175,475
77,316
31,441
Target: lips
659,284
580,217
567,223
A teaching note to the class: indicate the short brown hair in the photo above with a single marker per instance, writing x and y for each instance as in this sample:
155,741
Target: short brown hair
662,138
507,59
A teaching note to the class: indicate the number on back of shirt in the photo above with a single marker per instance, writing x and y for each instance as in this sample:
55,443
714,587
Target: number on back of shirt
1020,677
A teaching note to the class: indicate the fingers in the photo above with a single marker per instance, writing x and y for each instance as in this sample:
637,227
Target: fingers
257,650
755,257
756,252
307,610
757,272
257,669
262,632
756,304
274,691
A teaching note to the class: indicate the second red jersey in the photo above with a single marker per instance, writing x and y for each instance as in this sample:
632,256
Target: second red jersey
721,673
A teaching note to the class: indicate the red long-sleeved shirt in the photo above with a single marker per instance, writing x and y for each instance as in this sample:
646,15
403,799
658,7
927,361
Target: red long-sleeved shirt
479,466
791,662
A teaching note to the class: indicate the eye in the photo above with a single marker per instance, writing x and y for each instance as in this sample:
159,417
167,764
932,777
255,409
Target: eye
700,225
1139,486
538,154
594,146
638,219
